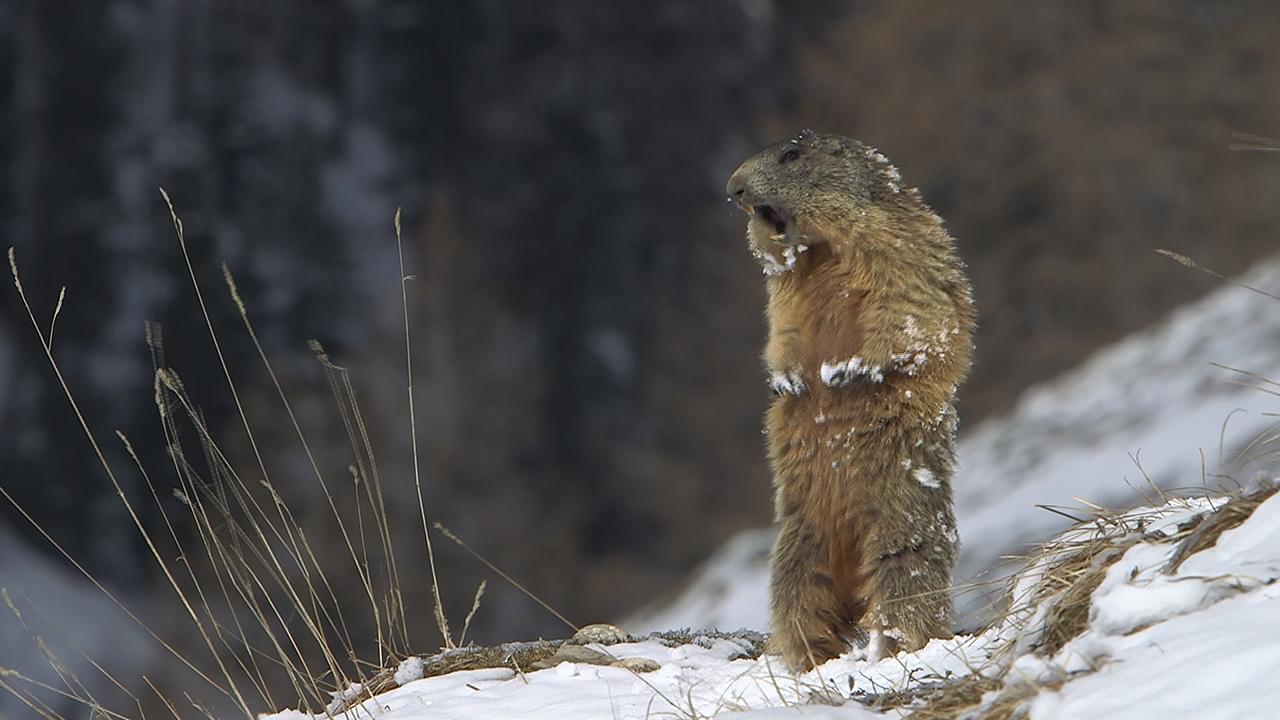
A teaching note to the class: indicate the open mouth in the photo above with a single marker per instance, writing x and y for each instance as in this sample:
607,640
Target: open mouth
770,215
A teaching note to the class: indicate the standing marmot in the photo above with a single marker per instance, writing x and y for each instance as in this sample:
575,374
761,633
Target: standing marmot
870,323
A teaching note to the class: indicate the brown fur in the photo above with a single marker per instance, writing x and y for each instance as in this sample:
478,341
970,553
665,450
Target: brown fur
858,267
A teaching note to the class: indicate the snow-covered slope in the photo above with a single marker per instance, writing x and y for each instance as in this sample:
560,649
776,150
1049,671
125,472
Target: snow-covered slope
1151,406
73,619
1153,399
1170,624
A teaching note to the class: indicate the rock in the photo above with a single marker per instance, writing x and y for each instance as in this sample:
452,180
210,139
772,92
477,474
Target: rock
637,664
574,654
602,633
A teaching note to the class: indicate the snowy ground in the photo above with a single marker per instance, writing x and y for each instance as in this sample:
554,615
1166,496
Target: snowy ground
1154,398
1202,641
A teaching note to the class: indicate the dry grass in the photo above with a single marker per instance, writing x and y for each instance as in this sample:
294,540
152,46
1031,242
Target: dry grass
521,657
272,629
266,612
946,701
1070,571
516,657
1206,533
1069,615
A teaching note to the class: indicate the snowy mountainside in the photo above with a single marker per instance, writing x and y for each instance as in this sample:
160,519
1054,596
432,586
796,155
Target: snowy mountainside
1167,611
1154,397
53,605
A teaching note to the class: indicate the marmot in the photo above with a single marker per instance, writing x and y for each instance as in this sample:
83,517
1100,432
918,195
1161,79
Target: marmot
870,325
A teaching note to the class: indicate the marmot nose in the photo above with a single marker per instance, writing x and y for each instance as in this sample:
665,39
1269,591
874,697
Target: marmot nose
737,189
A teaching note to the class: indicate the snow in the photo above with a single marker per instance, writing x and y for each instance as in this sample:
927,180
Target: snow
72,619
772,266
769,264
837,373
1136,592
1154,397
1200,642
727,593
908,363
343,698
816,712
409,670
691,679
887,169
1219,663
925,477
790,383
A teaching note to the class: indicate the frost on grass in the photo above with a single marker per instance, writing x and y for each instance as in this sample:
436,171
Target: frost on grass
343,699
1158,612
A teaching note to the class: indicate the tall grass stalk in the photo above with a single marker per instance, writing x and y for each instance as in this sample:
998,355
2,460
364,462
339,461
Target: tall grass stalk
270,609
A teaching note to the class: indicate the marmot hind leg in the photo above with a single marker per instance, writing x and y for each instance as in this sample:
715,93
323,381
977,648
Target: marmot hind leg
811,619
910,594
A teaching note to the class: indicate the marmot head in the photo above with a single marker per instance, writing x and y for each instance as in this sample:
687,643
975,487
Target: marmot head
815,188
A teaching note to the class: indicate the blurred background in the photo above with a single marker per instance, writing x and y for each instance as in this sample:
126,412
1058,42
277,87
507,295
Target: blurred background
586,318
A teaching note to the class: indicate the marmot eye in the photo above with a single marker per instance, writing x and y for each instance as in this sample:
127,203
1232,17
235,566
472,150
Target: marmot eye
788,156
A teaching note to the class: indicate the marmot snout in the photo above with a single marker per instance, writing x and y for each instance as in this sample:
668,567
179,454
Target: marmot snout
870,325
